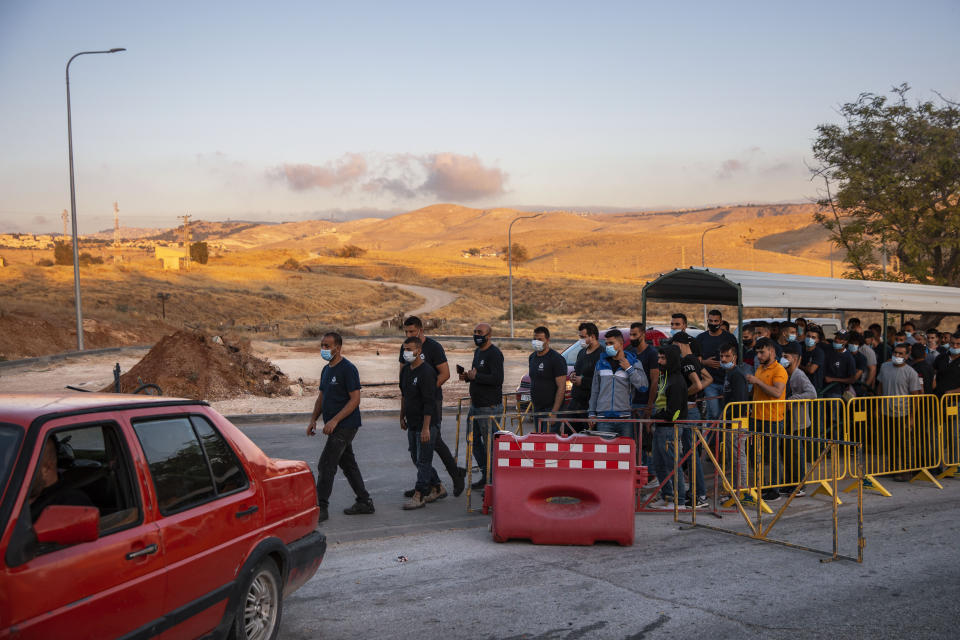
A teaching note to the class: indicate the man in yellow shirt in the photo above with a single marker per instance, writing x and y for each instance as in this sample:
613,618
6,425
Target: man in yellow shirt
769,384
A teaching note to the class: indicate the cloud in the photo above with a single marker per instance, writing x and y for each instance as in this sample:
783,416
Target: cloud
728,168
37,220
446,175
343,172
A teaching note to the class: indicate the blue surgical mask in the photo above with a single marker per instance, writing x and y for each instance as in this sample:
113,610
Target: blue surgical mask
954,351
784,363
838,346
326,354
727,365
791,337
908,333
853,348
537,345
811,342
897,360
611,350
674,332
408,356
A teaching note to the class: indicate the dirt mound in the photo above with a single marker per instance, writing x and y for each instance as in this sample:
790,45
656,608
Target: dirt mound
192,365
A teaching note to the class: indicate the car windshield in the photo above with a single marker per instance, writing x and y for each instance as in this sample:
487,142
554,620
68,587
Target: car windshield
570,353
9,445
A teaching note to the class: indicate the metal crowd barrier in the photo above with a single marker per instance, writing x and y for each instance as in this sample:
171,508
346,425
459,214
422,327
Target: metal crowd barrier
832,452
950,434
785,465
900,435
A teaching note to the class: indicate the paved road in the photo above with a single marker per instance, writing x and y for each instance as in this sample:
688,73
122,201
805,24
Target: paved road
457,582
433,299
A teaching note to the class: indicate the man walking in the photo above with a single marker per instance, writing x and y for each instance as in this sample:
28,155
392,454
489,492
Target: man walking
418,410
339,404
433,354
486,395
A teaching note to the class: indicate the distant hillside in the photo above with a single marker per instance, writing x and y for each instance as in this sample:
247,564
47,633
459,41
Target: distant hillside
126,233
204,230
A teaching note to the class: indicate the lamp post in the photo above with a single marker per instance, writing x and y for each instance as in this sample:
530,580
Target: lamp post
703,263
73,203
510,261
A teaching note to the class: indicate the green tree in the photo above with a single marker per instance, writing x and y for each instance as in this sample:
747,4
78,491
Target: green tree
519,256
892,183
199,253
62,252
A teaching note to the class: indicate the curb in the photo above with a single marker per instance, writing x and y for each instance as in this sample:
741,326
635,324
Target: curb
257,418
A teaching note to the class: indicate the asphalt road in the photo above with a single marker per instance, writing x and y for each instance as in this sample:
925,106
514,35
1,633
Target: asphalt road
433,299
672,583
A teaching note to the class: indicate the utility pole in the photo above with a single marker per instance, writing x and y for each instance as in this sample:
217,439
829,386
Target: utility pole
116,232
186,236
65,216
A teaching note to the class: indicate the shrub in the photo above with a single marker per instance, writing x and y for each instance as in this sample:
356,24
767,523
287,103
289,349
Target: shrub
291,264
62,252
349,251
522,311
86,258
45,262
199,252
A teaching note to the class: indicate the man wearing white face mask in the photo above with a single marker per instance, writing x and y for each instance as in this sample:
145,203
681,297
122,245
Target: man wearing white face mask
799,387
617,375
898,379
548,374
339,402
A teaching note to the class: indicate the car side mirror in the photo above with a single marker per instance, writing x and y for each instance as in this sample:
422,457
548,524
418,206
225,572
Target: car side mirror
66,525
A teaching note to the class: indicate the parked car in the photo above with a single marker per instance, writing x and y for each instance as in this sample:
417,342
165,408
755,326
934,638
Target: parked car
653,336
136,516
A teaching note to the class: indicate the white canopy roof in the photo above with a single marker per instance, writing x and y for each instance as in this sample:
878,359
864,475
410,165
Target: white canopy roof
758,289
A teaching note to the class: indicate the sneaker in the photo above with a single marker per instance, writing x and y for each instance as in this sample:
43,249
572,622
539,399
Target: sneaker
322,516
458,481
786,491
662,505
479,484
770,495
652,484
415,502
360,508
436,492
701,503
409,493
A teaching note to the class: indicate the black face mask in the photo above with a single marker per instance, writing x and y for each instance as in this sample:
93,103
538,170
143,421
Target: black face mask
748,343
635,342
479,340
713,327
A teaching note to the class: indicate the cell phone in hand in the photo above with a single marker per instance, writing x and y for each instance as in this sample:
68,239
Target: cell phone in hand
460,368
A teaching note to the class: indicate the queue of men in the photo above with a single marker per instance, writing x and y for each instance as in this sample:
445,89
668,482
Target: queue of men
617,378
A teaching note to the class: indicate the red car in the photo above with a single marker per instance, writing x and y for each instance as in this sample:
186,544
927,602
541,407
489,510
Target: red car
136,517
652,336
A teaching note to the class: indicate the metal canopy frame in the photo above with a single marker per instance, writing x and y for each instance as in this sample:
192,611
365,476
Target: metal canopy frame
733,287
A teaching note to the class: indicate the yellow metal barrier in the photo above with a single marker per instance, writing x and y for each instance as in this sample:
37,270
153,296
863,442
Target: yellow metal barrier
950,434
784,461
900,435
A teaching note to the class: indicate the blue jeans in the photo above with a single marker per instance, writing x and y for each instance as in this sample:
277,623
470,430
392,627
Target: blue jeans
686,440
714,406
483,428
622,429
422,454
663,460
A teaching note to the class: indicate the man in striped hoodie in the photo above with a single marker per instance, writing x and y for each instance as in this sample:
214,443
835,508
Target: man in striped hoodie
616,376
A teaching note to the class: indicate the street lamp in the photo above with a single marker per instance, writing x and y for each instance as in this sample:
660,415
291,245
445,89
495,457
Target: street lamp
73,203
510,260
703,263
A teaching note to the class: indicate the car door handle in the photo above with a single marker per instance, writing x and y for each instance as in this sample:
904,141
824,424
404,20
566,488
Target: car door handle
146,551
247,512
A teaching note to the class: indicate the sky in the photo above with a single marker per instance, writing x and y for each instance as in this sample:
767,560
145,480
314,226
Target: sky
298,110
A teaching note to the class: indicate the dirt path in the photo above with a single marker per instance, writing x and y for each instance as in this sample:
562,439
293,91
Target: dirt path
433,299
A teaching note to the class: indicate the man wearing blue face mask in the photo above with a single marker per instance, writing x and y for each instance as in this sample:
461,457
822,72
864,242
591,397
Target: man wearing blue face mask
840,370
616,376
678,323
908,330
812,360
339,403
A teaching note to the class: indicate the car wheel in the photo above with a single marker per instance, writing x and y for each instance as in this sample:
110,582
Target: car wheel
261,605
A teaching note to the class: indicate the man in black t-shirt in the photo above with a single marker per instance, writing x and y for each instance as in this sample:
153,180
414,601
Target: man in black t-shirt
339,403
486,395
947,368
840,369
583,370
710,342
418,412
648,356
433,354
697,379
548,374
